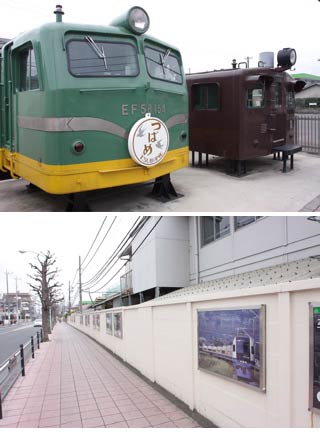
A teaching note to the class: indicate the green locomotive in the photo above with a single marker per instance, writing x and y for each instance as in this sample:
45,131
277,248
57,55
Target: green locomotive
86,107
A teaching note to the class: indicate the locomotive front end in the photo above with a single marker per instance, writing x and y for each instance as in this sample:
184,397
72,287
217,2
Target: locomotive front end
109,107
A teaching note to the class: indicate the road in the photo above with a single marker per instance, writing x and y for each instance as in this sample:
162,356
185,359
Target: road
12,336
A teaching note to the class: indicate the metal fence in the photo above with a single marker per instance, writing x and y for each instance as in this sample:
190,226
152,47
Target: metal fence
14,366
307,132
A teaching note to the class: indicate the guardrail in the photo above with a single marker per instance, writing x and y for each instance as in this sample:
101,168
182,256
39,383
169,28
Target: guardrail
11,369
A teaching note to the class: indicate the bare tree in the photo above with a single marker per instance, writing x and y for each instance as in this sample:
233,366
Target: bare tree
45,285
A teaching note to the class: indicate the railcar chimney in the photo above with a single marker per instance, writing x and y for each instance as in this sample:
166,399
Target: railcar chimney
59,12
234,64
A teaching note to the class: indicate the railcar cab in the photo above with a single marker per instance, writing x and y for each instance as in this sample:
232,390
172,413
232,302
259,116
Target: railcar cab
242,113
89,107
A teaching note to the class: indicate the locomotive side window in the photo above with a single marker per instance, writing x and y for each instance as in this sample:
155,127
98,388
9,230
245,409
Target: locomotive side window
278,94
213,228
291,103
94,58
255,98
206,96
28,70
163,65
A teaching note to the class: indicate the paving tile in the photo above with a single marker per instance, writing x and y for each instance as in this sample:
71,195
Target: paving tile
177,415
28,424
49,422
112,418
150,411
70,410
127,408
157,419
67,418
49,414
93,422
138,423
90,414
166,425
119,425
186,423
30,416
74,424
9,420
131,415
109,411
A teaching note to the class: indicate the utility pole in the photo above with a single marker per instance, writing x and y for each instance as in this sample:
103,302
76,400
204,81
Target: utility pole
69,298
17,303
7,297
80,285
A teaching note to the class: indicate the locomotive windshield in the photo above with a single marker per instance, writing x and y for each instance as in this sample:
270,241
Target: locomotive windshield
163,65
96,58
243,348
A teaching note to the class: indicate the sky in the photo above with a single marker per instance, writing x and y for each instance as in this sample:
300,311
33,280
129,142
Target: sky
67,235
209,33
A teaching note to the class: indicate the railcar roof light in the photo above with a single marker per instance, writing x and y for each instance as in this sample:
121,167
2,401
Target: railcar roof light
139,20
135,20
287,57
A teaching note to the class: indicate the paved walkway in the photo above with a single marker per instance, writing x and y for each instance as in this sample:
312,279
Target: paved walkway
73,382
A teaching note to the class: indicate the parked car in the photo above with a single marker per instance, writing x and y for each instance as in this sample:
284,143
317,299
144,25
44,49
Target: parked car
37,323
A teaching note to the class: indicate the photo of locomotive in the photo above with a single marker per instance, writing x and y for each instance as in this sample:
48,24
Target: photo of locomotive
243,113
77,101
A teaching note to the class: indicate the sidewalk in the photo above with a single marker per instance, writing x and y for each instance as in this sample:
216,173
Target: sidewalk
73,382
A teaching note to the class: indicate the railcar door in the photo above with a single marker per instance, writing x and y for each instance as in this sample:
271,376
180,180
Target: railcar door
7,132
256,121
278,114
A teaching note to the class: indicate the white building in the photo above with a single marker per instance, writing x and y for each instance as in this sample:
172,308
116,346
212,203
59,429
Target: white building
182,251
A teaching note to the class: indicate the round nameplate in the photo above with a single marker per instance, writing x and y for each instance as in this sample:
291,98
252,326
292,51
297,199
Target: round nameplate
148,141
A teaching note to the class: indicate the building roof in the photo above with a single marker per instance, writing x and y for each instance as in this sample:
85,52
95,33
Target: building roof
308,268
305,76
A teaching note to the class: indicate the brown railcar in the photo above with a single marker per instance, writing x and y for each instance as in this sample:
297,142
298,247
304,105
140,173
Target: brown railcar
241,114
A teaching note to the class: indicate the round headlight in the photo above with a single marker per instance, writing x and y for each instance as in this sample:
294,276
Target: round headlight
138,20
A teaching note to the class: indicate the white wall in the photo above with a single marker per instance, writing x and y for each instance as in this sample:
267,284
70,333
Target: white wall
160,340
266,242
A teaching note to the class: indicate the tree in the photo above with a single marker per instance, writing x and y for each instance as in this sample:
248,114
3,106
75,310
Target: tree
45,285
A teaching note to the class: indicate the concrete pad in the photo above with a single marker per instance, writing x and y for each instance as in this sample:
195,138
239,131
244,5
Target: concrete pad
265,188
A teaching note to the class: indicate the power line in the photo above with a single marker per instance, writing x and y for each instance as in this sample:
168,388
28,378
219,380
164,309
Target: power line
104,269
104,220
152,229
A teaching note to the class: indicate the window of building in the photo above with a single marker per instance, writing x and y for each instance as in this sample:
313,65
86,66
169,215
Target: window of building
95,58
255,98
213,228
278,94
163,65
241,221
28,70
206,96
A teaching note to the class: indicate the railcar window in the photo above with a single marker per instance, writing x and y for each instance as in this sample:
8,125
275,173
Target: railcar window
241,221
206,96
213,228
108,59
291,102
278,94
28,70
255,98
163,65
